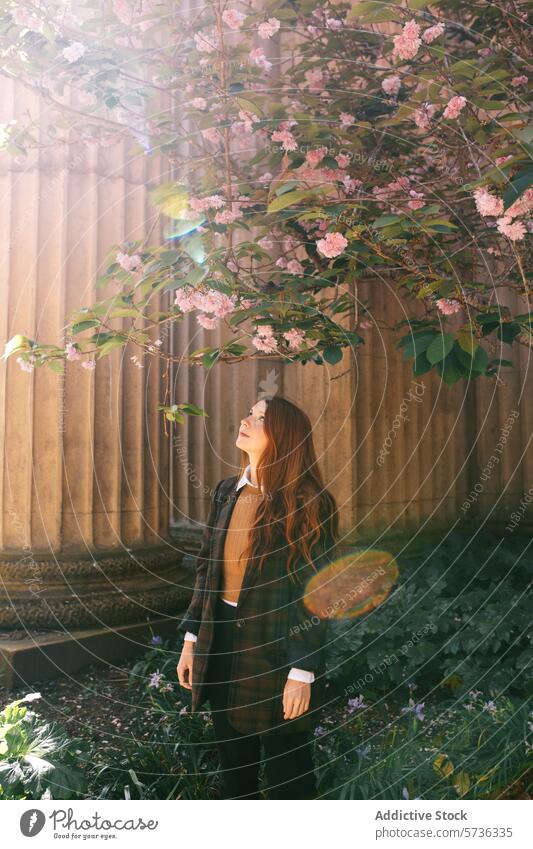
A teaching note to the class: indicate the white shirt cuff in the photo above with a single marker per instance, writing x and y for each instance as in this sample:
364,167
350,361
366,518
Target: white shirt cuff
295,674
301,675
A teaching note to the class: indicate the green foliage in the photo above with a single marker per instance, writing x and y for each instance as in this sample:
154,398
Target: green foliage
37,758
458,618
473,748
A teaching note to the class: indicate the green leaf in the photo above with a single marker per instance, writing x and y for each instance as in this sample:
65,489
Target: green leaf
15,344
210,358
111,344
286,187
450,369
521,182
289,199
440,347
332,354
80,326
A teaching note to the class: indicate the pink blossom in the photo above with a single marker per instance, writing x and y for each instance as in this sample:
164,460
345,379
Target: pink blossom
198,102
72,352
232,266
206,43
406,44
454,107
332,244
74,51
266,243
203,204
522,206
213,301
314,157
212,135
25,366
89,364
342,160
233,19
487,204
350,185
391,85
334,24
264,340
281,262
294,337
206,321
514,231
448,306
314,79
226,217
257,57
288,142
127,262
432,33
422,116
268,28
418,200
346,119
27,19
295,267
519,80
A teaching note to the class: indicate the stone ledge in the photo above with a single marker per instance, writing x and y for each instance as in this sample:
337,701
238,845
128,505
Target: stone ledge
48,656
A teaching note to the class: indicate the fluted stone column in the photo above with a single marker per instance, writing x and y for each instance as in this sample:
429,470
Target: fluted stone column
84,463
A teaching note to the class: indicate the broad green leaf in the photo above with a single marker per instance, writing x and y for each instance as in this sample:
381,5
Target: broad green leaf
80,326
288,199
520,183
440,347
466,339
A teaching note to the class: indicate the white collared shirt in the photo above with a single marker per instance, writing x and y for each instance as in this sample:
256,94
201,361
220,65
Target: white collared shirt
295,674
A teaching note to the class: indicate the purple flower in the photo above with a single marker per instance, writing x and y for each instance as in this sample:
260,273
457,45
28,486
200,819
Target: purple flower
363,751
355,704
156,640
319,730
417,709
155,679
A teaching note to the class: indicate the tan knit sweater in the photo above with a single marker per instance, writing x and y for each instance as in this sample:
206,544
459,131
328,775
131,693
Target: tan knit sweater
236,541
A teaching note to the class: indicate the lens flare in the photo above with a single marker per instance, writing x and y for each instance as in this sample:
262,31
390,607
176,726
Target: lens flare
351,585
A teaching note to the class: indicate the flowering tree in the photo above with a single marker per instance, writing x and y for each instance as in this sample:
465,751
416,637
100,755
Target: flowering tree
389,140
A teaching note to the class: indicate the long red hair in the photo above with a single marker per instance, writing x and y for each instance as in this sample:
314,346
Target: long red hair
298,510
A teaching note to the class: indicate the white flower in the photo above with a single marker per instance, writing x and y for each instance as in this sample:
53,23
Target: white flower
74,51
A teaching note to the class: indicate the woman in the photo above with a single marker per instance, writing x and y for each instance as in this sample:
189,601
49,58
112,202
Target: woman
251,646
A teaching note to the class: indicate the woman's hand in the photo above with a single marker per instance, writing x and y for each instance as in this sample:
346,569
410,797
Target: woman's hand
296,698
184,667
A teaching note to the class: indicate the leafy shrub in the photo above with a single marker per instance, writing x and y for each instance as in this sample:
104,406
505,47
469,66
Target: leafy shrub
178,760
474,749
459,618
37,758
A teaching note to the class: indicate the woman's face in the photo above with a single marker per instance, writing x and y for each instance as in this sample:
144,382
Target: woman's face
252,437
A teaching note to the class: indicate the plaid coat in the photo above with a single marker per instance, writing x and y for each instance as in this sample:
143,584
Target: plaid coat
273,632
